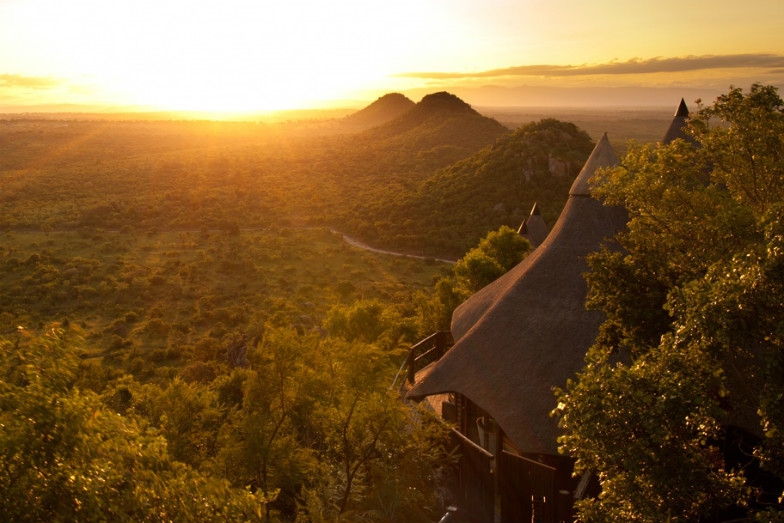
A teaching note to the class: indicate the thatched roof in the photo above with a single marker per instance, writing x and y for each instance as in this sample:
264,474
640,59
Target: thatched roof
528,331
678,125
534,229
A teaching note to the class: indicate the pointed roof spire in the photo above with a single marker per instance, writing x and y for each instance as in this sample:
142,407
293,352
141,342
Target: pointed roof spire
683,110
534,229
602,156
678,125
535,209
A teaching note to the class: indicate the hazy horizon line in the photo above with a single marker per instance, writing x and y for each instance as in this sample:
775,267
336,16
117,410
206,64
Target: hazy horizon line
493,97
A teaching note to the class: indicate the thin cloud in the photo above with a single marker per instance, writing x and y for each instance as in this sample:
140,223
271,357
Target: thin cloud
17,81
633,66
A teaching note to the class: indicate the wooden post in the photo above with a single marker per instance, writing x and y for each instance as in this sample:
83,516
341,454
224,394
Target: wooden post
411,370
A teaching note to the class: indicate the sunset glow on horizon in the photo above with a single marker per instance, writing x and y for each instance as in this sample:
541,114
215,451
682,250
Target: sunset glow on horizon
242,55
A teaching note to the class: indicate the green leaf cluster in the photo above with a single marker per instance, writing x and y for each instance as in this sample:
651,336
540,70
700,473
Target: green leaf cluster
308,431
66,456
496,253
690,356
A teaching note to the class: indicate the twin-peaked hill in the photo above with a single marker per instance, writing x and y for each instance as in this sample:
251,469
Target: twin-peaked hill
440,119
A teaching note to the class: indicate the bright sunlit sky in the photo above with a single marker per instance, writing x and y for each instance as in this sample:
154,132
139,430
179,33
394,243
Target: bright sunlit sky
260,54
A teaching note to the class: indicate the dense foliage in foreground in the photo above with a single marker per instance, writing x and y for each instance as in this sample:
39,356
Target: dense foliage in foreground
193,367
66,456
680,408
308,430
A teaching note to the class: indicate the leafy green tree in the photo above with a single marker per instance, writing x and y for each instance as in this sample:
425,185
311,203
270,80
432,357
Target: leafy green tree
379,459
436,308
371,321
496,253
360,321
259,445
188,416
66,457
319,430
692,341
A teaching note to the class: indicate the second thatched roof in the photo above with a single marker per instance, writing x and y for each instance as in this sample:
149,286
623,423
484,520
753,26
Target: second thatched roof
677,128
533,228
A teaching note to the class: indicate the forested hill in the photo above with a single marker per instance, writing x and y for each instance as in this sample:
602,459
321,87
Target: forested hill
449,211
383,110
538,162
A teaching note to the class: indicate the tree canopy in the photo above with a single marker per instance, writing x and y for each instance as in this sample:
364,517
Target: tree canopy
309,431
680,408
496,253
66,456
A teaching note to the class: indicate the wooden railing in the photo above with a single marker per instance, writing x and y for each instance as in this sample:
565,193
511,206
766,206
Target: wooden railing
474,483
527,489
422,354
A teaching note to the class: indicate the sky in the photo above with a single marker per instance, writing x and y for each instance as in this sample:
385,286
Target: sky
238,55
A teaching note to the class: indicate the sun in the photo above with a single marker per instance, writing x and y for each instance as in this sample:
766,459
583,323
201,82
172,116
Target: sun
229,55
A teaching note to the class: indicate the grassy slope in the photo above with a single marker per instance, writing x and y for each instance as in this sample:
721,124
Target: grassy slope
174,297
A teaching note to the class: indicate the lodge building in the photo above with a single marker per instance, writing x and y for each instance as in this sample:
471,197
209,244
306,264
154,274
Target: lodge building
510,345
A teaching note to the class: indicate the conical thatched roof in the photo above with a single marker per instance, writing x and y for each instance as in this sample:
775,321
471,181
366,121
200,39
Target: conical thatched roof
678,125
533,228
528,331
